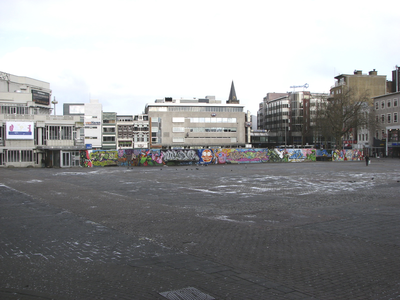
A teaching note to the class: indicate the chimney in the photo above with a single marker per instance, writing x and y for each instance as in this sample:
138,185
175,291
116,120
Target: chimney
357,72
373,72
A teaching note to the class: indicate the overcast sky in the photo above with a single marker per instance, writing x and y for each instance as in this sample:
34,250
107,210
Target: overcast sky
129,53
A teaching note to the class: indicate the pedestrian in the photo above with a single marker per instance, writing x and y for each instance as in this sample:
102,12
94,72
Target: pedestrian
366,160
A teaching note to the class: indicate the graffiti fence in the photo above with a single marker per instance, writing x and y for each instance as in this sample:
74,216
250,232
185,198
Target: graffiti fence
149,157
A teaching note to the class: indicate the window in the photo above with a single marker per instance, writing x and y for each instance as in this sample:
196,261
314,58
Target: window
66,132
388,103
376,105
53,132
26,155
395,118
394,102
13,155
383,118
108,138
108,129
178,120
213,120
389,117
177,140
383,104
178,129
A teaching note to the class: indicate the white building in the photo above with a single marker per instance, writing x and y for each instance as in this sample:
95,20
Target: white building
29,135
91,114
196,123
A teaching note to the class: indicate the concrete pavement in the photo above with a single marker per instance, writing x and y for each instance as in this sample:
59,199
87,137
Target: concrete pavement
319,230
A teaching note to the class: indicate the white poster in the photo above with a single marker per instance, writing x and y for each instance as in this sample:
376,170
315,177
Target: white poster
19,130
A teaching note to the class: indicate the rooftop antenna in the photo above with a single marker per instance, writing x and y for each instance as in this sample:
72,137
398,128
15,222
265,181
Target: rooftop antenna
55,102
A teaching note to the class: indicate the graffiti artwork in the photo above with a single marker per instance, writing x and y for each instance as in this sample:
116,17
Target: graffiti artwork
324,153
85,159
206,156
347,155
247,155
299,155
180,155
101,158
148,157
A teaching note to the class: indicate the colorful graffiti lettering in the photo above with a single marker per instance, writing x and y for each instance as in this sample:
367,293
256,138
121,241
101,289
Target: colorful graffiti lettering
221,155
247,155
85,159
180,155
347,155
101,158
324,153
148,157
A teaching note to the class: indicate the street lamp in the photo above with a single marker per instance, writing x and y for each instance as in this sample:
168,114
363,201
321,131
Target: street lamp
54,102
285,137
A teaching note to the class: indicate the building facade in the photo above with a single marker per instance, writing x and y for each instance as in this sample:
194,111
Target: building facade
133,131
360,84
29,135
371,83
196,123
386,135
289,119
91,115
109,131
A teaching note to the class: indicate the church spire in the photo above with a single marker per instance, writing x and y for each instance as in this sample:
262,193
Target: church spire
232,96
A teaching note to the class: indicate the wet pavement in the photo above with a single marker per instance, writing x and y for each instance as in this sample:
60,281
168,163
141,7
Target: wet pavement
319,230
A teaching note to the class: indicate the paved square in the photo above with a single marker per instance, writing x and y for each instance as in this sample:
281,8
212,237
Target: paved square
319,230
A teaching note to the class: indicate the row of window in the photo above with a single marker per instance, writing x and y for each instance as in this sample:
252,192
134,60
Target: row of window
20,156
363,137
205,129
182,140
59,132
18,110
135,138
130,119
196,108
387,103
205,120
134,128
388,118
112,139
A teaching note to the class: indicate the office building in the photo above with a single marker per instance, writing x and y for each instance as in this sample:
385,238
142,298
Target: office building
29,135
197,123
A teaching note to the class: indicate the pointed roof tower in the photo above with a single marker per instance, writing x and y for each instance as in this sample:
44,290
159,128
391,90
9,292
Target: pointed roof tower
232,96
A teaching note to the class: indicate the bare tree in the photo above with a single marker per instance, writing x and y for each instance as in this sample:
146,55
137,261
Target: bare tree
343,114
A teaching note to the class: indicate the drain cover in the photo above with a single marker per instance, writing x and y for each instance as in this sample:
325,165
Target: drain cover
189,293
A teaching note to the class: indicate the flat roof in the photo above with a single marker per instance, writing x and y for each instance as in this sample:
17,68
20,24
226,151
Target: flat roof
387,95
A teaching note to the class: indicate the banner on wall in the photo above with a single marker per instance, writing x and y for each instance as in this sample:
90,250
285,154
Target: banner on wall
19,130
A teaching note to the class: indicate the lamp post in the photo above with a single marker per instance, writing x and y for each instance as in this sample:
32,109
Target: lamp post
285,137
54,102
